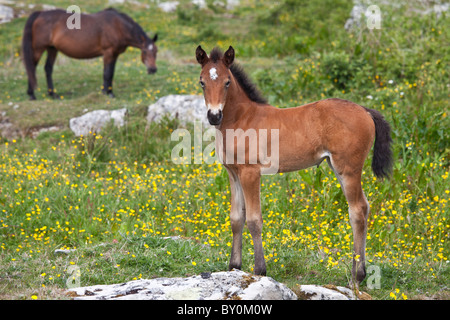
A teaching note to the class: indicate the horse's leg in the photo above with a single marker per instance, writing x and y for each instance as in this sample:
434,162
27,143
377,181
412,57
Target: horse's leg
30,91
109,63
51,57
36,57
358,208
359,212
250,181
237,220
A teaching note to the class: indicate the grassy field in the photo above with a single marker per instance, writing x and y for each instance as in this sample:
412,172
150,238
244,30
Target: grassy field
112,198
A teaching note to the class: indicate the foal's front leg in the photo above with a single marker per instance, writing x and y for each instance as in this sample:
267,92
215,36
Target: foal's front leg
250,179
237,220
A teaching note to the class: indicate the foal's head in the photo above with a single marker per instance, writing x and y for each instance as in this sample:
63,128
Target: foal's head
148,54
215,80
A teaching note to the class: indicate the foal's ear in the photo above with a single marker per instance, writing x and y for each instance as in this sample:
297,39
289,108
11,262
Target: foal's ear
201,56
228,57
155,37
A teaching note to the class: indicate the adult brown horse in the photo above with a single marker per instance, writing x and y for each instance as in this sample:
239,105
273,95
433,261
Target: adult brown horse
339,131
106,33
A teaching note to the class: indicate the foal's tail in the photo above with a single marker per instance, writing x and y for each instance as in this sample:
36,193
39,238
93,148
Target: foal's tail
27,49
382,153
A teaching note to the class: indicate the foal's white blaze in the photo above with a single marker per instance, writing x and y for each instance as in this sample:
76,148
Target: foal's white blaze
150,47
215,108
213,73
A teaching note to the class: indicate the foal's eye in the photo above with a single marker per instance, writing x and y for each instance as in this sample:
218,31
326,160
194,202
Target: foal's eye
227,84
202,84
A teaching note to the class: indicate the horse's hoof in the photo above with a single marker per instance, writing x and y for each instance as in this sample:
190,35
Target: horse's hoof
109,94
234,266
261,271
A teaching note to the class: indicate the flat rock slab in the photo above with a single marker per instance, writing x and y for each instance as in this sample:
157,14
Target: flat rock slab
314,292
94,121
186,108
232,285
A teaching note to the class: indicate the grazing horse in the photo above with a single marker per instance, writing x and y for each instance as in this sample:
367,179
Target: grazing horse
335,130
106,33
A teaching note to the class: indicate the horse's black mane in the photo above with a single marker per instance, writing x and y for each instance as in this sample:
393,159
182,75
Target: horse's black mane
136,29
242,78
247,85
215,55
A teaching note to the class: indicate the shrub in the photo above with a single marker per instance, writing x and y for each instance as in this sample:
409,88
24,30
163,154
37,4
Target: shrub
337,67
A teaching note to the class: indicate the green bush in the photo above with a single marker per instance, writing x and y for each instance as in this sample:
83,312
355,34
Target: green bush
337,67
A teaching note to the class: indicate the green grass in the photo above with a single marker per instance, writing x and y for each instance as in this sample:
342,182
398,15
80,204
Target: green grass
114,196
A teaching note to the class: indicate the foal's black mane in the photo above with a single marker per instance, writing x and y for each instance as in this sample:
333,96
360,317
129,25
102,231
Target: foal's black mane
136,29
242,78
215,55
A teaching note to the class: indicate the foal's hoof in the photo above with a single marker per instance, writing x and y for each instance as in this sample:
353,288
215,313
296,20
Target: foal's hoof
260,271
354,285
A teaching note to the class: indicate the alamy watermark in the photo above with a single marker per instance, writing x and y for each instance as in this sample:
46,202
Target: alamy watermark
74,276
374,278
249,146
74,20
373,14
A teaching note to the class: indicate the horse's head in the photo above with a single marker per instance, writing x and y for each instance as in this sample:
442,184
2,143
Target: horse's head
215,79
148,55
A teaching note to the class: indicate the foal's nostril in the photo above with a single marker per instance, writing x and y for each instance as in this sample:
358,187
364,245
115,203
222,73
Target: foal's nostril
214,117
151,70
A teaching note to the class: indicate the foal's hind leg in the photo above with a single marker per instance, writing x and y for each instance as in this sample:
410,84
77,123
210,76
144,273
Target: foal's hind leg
358,208
359,213
51,57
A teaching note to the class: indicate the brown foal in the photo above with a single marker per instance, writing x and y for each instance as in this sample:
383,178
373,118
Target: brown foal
339,131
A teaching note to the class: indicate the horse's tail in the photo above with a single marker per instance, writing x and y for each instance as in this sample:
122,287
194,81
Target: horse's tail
27,49
382,152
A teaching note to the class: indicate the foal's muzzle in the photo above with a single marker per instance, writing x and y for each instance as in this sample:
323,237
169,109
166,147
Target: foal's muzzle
214,117
151,70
